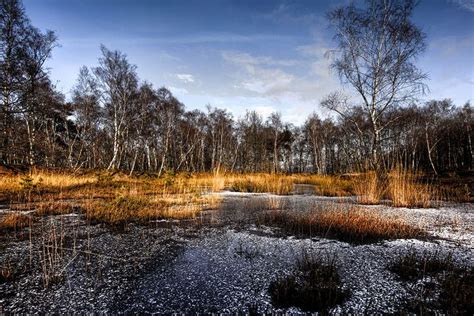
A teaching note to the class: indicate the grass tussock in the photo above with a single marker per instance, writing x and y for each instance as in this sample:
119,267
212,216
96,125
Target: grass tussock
14,221
402,187
449,288
129,208
55,208
263,183
405,191
314,286
327,185
369,188
346,223
7,273
413,266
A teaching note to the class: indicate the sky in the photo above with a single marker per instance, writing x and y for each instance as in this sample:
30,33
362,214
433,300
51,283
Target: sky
268,56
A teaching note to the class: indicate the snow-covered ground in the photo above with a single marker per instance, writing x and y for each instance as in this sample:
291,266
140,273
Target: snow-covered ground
221,263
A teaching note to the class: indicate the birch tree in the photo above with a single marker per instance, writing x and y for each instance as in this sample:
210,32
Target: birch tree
118,81
376,49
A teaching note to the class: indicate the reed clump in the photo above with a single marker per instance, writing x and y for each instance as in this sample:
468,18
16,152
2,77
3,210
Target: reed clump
262,183
405,191
369,188
346,223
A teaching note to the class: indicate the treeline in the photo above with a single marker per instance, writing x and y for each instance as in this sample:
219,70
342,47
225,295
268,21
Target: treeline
116,121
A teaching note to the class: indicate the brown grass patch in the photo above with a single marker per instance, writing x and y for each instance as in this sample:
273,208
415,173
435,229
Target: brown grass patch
346,223
402,187
405,191
13,221
327,185
54,208
369,188
263,183
128,208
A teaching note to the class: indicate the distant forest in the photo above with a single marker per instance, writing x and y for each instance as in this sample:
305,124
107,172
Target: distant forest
116,121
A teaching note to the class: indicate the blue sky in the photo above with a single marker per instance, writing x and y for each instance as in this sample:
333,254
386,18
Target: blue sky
262,55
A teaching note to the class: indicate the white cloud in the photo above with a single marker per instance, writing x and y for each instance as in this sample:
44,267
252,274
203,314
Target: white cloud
265,111
178,91
465,4
188,78
257,77
245,58
294,91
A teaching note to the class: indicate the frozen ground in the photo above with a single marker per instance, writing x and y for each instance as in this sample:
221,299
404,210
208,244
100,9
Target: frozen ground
220,263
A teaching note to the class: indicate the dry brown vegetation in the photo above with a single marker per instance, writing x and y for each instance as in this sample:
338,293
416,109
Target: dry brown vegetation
261,183
369,188
347,223
129,208
116,197
54,208
109,198
404,190
327,185
14,221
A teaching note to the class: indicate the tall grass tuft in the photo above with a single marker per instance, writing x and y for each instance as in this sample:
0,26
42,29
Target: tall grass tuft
263,183
369,188
404,190
346,223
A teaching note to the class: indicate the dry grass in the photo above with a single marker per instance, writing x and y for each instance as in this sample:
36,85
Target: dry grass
327,185
13,221
262,183
129,208
55,208
114,198
402,187
412,265
347,223
405,191
369,188
44,179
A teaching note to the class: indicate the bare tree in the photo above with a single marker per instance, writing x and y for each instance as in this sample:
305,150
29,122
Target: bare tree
376,48
88,114
275,124
118,81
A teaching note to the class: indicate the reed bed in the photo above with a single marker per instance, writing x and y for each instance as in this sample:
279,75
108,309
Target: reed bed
342,222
